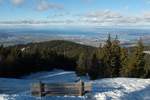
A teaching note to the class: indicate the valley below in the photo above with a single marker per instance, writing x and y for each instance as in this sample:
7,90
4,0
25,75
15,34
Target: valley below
83,35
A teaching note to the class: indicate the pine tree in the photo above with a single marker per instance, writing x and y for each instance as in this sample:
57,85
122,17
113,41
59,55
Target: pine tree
124,62
116,57
106,57
147,67
141,61
94,67
137,63
82,64
1,53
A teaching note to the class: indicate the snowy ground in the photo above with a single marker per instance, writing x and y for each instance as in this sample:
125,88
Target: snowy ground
104,89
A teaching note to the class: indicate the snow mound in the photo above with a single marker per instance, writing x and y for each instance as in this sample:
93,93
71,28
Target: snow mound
122,89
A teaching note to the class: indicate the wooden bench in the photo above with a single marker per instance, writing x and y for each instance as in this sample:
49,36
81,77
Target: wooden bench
60,89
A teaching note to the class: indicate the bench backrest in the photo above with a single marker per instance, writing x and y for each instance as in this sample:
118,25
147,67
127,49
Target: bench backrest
51,89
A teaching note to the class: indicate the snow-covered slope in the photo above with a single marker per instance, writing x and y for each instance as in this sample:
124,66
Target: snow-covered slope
122,89
103,89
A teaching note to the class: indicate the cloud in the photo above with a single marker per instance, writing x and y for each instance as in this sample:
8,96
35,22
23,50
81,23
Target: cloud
17,2
98,18
111,18
59,15
37,22
44,5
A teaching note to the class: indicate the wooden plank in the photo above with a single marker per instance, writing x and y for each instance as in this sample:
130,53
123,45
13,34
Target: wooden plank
73,89
61,94
70,92
61,85
49,86
46,86
61,89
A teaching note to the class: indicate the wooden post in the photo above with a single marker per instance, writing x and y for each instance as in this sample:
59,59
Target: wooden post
38,89
81,88
41,86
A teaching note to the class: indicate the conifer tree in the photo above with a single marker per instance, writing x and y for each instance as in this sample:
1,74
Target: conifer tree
147,67
124,61
141,61
82,64
94,67
137,63
116,57
106,57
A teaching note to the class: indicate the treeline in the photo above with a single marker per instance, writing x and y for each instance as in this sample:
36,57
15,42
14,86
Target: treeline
15,62
112,60
108,60
20,60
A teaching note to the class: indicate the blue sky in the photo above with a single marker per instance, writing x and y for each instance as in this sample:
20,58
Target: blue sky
76,12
